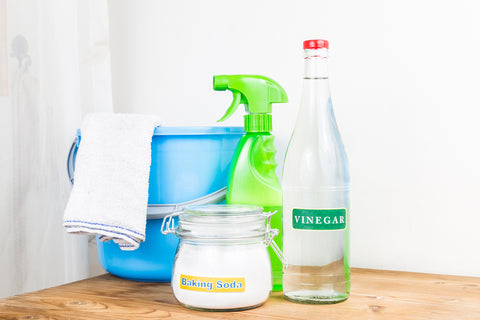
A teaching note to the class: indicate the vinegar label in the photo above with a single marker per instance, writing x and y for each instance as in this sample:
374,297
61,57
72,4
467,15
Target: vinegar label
212,284
319,219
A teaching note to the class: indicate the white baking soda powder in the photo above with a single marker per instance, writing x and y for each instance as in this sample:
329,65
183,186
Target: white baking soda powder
222,262
222,277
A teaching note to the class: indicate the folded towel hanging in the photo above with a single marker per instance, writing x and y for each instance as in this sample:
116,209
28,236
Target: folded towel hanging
110,194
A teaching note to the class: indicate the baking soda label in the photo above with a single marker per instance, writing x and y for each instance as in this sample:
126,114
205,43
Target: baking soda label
319,219
212,284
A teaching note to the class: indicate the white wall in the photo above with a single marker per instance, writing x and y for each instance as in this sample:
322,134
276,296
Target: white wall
404,78
6,194
57,69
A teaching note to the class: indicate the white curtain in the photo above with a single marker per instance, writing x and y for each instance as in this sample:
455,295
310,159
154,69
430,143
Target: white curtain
54,68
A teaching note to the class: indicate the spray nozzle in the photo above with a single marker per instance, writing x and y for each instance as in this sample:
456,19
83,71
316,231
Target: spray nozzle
257,93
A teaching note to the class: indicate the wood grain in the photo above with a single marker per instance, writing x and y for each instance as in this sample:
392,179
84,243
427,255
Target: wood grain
375,295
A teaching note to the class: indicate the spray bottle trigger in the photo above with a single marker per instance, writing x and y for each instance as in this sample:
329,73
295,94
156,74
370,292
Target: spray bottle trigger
237,99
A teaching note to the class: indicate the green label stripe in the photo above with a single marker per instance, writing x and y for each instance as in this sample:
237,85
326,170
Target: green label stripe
319,219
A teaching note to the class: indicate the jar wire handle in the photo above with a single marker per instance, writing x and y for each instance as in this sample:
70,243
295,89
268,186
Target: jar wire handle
270,234
278,252
168,224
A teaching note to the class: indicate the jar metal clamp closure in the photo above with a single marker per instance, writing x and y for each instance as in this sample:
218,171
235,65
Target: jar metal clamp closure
168,226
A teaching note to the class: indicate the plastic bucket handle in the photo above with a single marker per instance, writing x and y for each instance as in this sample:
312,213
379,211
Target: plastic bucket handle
160,211
71,158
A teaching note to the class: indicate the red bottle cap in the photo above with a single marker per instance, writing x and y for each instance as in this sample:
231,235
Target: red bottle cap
315,44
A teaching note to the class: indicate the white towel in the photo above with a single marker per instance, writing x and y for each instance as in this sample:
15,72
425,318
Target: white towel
110,193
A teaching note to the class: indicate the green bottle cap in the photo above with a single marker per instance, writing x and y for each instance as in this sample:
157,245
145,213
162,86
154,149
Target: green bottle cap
258,122
257,93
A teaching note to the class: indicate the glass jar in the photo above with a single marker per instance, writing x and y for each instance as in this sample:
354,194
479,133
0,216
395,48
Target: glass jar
222,263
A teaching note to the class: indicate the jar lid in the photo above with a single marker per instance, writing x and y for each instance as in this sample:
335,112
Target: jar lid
227,222
230,210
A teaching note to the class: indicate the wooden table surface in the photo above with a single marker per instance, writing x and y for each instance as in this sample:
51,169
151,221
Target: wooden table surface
375,294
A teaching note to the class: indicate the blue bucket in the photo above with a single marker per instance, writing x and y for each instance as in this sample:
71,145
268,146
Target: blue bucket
189,166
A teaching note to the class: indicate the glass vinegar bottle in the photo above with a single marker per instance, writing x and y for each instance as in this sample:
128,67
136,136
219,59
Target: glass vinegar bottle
316,191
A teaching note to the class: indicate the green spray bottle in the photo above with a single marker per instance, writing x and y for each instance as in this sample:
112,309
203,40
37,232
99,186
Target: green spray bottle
252,178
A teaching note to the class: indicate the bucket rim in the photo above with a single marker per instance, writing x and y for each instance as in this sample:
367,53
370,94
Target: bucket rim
194,130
